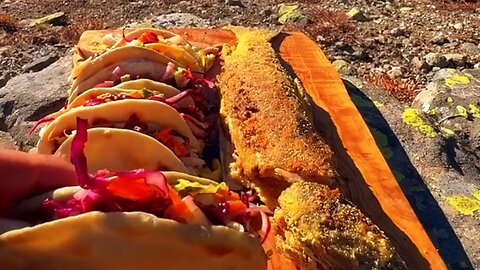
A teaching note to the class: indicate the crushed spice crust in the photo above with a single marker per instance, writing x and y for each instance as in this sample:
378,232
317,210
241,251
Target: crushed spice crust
317,229
267,121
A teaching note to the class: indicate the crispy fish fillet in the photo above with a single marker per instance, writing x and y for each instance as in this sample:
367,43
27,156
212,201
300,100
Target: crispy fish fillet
267,122
317,229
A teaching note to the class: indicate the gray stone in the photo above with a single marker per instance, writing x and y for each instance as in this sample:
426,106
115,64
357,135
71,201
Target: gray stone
421,64
58,18
406,9
436,60
470,48
234,3
40,63
343,67
357,15
456,60
31,96
458,26
396,72
5,78
179,20
397,31
6,141
440,39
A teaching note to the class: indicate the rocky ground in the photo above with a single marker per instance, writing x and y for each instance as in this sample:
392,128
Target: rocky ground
418,61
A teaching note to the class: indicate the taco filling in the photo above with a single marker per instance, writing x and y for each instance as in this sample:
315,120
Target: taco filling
187,201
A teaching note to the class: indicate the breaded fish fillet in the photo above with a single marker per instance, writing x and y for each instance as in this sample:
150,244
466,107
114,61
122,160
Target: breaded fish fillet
271,132
317,229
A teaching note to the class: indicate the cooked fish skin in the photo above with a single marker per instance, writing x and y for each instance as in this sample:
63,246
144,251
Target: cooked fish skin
318,229
267,121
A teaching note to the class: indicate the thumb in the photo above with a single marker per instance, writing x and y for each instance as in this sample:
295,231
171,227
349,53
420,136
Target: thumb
23,175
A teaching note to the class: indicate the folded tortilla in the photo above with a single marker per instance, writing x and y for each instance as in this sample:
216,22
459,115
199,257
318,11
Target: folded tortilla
93,65
148,111
135,68
126,240
126,87
123,150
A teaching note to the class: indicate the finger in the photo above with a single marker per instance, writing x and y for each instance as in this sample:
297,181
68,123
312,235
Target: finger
23,175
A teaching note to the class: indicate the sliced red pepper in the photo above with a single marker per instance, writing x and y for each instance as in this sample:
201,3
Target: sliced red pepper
236,207
179,149
148,37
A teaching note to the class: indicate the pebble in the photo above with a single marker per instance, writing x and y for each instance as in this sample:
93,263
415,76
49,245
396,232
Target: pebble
397,31
456,60
439,39
458,26
436,60
396,72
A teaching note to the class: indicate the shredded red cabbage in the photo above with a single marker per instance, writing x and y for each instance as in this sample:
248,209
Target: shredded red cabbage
94,102
78,158
45,119
134,123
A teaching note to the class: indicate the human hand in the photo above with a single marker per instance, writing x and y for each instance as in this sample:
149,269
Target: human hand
23,175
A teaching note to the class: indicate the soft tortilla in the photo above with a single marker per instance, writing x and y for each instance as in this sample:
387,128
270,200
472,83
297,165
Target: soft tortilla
92,65
123,150
167,90
138,32
115,112
134,67
129,241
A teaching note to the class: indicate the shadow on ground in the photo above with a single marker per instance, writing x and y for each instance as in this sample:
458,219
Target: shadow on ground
418,194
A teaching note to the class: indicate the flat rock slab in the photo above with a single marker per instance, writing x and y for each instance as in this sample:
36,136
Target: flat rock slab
29,97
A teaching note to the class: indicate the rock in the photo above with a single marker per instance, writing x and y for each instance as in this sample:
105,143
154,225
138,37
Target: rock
58,18
470,48
439,40
179,20
436,60
421,64
406,9
455,60
381,39
357,15
396,72
234,3
397,31
29,97
40,63
291,13
342,46
5,78
343,67
458,26
361,54
6,141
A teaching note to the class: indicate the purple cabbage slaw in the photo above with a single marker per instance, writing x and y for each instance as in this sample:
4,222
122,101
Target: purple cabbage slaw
138,190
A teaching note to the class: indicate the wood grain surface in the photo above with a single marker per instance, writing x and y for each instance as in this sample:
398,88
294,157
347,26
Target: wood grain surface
327,90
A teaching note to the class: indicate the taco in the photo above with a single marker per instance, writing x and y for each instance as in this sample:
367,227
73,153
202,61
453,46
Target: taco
150,117
136,220
107,149
93,65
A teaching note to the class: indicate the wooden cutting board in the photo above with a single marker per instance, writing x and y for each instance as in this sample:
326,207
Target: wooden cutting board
370,183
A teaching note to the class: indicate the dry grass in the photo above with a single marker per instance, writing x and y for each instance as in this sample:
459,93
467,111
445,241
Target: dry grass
8,22
401,89
331,25
71,33
458,4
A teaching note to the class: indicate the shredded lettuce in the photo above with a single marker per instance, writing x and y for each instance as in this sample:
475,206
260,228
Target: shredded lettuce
194,188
